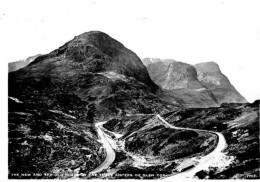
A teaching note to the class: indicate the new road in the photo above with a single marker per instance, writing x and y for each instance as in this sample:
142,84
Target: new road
205,161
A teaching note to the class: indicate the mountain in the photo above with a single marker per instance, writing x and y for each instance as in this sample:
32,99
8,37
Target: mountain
97,52
55,101
22,63
179,81
213,79
175,75
93,66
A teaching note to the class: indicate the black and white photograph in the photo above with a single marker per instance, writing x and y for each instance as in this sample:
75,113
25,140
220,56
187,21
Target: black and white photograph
130,89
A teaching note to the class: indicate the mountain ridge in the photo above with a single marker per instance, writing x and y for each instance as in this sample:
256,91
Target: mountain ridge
183,81
179,81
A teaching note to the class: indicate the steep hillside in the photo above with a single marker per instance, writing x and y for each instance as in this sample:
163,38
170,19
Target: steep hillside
212,78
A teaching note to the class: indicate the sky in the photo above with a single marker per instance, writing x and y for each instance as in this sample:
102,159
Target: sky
227,32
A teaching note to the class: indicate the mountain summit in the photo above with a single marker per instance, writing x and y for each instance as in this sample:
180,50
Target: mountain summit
210,75
97,52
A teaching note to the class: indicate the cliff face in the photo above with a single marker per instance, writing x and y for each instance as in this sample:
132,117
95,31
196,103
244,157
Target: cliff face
174,75
179,81
213,79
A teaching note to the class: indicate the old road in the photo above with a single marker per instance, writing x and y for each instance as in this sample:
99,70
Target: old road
205,161
110,154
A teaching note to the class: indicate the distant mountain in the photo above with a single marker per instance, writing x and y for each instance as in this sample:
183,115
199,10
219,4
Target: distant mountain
174,75
13,66
213,79
179,81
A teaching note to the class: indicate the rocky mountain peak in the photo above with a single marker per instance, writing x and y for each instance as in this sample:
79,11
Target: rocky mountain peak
212,78
99,40
96,52
210,75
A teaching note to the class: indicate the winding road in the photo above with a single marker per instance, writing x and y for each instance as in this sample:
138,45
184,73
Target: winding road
110,154
203,163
